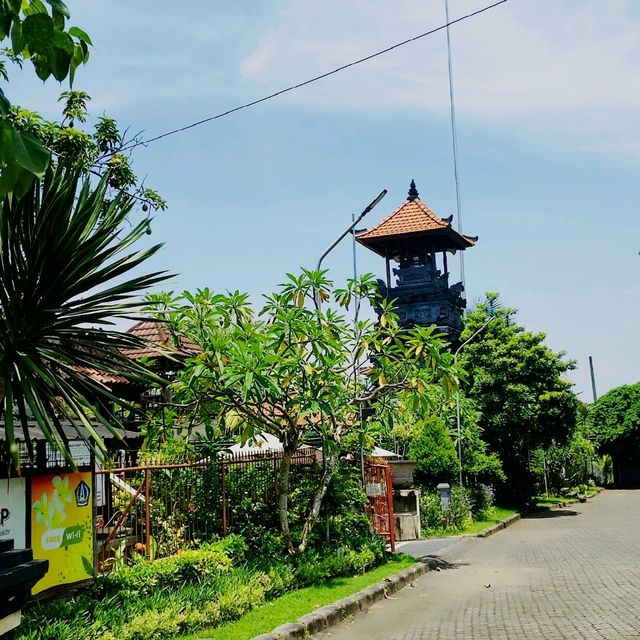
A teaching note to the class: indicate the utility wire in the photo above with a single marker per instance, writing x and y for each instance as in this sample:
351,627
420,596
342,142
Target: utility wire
311,80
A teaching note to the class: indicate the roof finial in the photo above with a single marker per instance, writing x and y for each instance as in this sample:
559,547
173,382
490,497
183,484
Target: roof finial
413,192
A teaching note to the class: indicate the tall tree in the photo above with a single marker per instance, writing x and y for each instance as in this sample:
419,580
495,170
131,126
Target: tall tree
614,422
295,369
517,384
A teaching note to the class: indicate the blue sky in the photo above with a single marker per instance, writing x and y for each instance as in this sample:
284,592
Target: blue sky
547,95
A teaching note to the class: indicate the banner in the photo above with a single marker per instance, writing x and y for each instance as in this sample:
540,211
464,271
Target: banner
13,518
62,527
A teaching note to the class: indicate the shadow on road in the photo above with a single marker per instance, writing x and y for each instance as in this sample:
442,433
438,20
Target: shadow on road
438,564
553,513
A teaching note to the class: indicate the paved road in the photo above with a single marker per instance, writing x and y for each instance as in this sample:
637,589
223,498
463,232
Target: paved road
572,574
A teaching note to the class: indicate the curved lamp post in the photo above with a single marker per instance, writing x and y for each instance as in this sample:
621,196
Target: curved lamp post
349,229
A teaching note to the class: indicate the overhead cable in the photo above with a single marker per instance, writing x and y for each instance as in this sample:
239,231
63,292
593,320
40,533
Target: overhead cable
310,80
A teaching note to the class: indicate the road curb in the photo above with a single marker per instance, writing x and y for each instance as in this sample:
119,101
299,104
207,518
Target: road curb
331,614
499,527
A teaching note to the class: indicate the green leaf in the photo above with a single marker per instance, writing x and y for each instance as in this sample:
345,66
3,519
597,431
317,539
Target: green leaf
30,154
4,104
17,40
76,32
64,41
60,61
87,566
41,63
37,31
60,7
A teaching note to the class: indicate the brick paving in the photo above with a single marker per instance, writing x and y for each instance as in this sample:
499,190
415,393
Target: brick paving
572,574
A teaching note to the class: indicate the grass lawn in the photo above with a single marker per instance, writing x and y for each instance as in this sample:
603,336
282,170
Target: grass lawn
498,514
291,606
544,502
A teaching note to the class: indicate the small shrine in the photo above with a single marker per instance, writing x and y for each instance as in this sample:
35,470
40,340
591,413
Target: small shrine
418,240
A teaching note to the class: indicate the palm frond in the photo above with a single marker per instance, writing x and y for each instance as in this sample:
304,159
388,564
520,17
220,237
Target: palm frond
66,257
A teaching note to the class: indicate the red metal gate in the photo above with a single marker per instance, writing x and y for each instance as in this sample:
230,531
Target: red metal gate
379,489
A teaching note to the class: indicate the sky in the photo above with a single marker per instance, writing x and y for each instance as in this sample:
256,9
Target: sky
547,98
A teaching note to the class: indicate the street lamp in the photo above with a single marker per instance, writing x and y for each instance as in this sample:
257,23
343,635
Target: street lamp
318,300
455,360
349,229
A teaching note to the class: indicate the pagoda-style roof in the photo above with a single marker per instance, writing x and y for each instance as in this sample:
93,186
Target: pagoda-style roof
413,224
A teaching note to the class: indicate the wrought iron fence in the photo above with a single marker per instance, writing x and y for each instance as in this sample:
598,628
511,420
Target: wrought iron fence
158,507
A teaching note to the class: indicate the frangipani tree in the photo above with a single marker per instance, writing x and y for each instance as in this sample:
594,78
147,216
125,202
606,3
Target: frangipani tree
297,368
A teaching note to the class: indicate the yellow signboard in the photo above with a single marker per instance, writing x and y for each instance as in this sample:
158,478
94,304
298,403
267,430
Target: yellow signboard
62,527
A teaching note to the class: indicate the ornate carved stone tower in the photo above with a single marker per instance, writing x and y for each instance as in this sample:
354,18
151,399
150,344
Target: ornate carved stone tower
415,237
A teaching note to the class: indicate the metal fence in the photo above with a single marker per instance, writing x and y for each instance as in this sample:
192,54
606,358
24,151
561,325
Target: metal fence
158,507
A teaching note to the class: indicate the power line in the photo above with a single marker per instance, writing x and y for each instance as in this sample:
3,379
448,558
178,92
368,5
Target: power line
311,80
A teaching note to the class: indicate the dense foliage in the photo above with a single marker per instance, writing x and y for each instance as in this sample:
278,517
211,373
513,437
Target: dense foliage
615,419
39,34
295,368
191,590
66,256
517,384
67,232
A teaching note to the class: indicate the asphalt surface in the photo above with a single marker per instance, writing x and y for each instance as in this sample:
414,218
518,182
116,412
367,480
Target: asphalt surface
567,574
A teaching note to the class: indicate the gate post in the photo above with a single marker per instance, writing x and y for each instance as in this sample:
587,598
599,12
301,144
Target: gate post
392,521
147,513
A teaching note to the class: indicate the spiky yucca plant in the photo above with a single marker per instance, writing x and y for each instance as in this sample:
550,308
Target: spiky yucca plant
66,253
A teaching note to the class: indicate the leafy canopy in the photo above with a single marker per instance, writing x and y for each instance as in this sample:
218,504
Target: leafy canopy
517,384
36,32
615,419
299,367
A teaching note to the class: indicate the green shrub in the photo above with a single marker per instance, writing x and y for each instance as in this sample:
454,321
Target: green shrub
189,566
435,454
196,588
481,502
458,514
436,519
431,517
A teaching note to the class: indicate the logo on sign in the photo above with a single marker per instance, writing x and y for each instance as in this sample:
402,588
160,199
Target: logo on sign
82,494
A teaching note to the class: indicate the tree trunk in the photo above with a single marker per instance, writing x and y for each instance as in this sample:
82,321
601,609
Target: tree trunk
321,491
283,497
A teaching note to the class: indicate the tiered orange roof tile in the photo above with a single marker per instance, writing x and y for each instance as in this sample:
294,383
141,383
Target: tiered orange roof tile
413,216
413,219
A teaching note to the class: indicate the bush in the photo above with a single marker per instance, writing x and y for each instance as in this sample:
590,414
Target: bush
458,514
481,502
434,453
190,566
431,518
195,589
436,519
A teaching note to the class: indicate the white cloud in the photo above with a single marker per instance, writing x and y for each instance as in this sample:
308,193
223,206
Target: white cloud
563,67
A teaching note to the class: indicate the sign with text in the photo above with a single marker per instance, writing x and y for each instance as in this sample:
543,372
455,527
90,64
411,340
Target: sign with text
62,527
13,521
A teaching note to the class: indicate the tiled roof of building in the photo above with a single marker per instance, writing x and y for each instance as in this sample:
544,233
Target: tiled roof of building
103,377
413,216
159,341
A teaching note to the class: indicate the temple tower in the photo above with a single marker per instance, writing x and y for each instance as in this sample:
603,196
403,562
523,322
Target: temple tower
417,239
